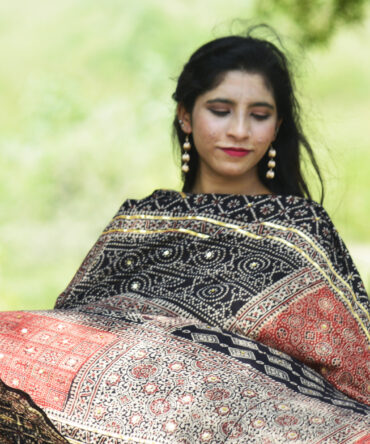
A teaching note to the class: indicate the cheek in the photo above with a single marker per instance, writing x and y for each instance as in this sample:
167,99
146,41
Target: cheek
205,129
265,135
264,140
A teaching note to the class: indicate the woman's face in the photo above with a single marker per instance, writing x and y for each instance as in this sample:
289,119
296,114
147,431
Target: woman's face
233,126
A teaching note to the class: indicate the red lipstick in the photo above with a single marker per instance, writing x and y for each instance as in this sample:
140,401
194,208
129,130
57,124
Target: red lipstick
235,152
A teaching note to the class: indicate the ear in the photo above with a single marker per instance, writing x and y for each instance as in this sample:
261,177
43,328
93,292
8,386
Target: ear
277,127
185,118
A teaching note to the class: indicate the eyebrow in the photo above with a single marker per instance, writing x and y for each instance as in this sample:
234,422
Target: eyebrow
231,102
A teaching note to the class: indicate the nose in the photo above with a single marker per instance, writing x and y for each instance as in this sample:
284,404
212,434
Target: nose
239,127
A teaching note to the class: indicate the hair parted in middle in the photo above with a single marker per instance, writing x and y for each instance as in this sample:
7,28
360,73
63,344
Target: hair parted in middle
206,69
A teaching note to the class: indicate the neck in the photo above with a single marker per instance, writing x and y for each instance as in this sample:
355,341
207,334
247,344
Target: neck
250,185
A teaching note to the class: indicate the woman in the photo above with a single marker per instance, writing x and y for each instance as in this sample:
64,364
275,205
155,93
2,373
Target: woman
267,77
228,312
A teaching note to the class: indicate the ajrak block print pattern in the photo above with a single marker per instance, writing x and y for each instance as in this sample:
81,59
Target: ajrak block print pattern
316,330
42,355
271,268
167,379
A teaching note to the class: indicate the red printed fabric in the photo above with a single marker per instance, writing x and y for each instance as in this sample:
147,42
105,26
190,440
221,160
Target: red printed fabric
318,330
42,355
157,377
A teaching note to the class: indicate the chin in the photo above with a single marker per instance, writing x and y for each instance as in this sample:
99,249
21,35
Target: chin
233,173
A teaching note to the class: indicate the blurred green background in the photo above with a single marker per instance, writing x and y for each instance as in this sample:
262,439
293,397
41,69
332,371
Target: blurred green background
85,122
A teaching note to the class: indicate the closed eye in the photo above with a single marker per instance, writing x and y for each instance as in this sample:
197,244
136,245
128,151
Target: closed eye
220,113
261,116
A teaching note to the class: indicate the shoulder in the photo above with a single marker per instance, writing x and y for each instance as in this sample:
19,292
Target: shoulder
300,215
293,211
309,216
317,224
163,201
297,207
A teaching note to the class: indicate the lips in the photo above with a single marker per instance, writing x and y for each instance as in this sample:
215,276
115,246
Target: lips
235,152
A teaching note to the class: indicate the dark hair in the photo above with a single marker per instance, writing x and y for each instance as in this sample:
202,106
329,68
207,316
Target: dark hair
205,70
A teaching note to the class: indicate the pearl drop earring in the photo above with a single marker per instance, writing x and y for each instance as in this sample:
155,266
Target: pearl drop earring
271,163
186,156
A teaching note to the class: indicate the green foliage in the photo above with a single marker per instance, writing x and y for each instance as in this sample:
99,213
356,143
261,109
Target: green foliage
86,117
313,21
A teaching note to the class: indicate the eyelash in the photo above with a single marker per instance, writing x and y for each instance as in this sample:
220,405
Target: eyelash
261,116
224,113
219,113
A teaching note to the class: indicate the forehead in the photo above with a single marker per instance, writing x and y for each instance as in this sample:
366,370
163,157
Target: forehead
241,85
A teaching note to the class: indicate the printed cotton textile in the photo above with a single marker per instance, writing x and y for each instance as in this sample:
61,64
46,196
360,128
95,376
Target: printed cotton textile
202,318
